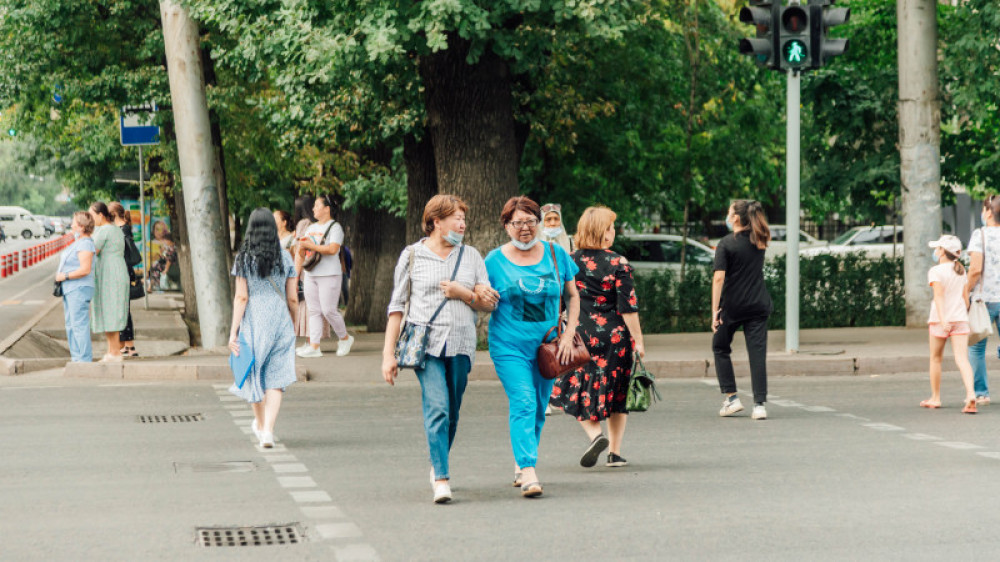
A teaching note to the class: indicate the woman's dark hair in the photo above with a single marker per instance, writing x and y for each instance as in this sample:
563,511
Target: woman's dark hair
261,250
519,203
992,204
751,214
304,208
959,268
326,200
101,209
117,210
286,219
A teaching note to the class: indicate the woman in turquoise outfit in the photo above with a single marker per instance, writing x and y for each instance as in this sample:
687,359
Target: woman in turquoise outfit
266,302
530,287
111,282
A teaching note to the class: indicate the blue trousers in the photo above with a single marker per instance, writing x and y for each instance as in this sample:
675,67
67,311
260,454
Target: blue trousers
76,311
442,383
977,353
527,394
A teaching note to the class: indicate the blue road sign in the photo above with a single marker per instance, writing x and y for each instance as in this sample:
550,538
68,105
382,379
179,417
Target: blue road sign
135,126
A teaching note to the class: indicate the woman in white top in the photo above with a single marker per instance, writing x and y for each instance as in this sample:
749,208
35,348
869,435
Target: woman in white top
322,282
423,282
984,282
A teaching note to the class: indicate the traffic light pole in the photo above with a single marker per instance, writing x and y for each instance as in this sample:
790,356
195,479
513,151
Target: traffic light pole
792,171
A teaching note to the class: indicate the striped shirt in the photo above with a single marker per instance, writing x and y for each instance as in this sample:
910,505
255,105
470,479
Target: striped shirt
454,330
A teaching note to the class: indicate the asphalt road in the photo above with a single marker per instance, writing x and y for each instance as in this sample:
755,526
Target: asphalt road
25,293
845,469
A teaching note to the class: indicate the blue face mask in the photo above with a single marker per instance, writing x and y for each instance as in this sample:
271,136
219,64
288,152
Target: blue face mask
453,238
552,232
524,246
729,224
935,258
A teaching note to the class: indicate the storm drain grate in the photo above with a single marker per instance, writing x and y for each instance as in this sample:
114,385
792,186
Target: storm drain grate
249,536
171,418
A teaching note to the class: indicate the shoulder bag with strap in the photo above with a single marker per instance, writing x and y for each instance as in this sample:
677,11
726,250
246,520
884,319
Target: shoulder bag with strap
312,260
411,347
980,326
548,353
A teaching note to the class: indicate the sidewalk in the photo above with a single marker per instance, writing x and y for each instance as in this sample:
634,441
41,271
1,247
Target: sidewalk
831,351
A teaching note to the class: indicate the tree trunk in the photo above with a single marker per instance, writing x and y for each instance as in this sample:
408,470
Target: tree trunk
391,243
365,245
421,183
471,124
178,218
919,148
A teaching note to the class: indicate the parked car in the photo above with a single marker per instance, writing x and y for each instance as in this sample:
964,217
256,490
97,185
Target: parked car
779,241
47,224
17,221
60,226
873,241
648,252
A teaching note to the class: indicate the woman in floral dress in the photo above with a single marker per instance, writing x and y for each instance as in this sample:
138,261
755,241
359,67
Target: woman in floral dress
609,325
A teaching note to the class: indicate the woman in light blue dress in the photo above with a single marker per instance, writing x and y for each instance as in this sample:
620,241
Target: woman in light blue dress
265,292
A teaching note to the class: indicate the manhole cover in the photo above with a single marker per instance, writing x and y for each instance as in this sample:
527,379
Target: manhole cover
167,418
249,536
227,466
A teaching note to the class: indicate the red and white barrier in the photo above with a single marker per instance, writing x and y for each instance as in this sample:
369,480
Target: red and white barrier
13,262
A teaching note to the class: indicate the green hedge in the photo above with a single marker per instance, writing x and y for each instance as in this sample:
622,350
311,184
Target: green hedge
837,291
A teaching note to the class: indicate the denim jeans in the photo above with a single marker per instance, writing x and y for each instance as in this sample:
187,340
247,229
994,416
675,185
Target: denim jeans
977,353
527,395
76,310
442,384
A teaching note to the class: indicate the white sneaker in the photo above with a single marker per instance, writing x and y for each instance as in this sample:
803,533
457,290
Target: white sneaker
442,492
310,352
266,440
303,347
731,406
256,432
759,413
344,347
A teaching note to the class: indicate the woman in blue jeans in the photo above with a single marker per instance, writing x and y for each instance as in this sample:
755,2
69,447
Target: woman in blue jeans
984,283
531,276
440,283
77,279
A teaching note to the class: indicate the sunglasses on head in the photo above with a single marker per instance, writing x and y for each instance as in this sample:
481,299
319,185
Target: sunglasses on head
552,207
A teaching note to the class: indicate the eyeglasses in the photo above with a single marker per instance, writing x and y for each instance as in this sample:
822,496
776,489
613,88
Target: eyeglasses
521,224
552,207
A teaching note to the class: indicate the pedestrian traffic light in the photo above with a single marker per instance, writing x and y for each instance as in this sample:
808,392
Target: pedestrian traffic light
822,17
794,40
762,14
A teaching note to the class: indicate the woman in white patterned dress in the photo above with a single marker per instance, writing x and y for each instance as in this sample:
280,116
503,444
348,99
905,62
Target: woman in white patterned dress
265,291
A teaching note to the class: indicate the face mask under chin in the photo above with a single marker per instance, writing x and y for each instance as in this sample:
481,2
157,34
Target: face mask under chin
524,246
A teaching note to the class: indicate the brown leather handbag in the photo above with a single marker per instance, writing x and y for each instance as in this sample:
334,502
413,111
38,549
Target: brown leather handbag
548,353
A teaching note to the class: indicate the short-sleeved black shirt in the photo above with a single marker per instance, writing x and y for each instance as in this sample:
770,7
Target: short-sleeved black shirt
744,294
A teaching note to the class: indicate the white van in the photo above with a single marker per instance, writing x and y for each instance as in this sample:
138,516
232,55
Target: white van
17,221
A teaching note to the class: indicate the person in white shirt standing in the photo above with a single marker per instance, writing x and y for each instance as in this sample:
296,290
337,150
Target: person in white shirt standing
323,279
949,319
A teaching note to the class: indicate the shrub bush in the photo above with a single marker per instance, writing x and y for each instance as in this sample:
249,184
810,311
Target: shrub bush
836,291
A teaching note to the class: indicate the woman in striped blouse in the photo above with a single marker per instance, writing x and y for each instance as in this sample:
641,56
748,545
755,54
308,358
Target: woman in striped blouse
422,281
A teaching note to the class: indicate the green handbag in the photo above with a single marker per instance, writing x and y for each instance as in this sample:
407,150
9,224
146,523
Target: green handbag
641,388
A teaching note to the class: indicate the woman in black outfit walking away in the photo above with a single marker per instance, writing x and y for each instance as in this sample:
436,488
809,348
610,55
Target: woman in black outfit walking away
739,298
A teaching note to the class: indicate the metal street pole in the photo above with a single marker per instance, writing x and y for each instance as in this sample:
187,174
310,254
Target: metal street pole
792,170
206,230
142,231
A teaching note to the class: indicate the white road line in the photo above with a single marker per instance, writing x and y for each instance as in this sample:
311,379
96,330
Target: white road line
989,455
322,512
235,406
289,468
241,413
32,303
30,387
709,382
355,553
852,416
248,430
878,426
311,496
921,437
227,397
296,482
818,409
346,530
280,458
222,386
961,446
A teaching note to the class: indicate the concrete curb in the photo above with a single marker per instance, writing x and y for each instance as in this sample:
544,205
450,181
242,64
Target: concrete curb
16,366
158,371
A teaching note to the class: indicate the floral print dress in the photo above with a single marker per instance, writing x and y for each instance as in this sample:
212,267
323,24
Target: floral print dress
598,389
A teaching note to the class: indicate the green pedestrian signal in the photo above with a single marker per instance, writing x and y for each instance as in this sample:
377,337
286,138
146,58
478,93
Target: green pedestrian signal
795,52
